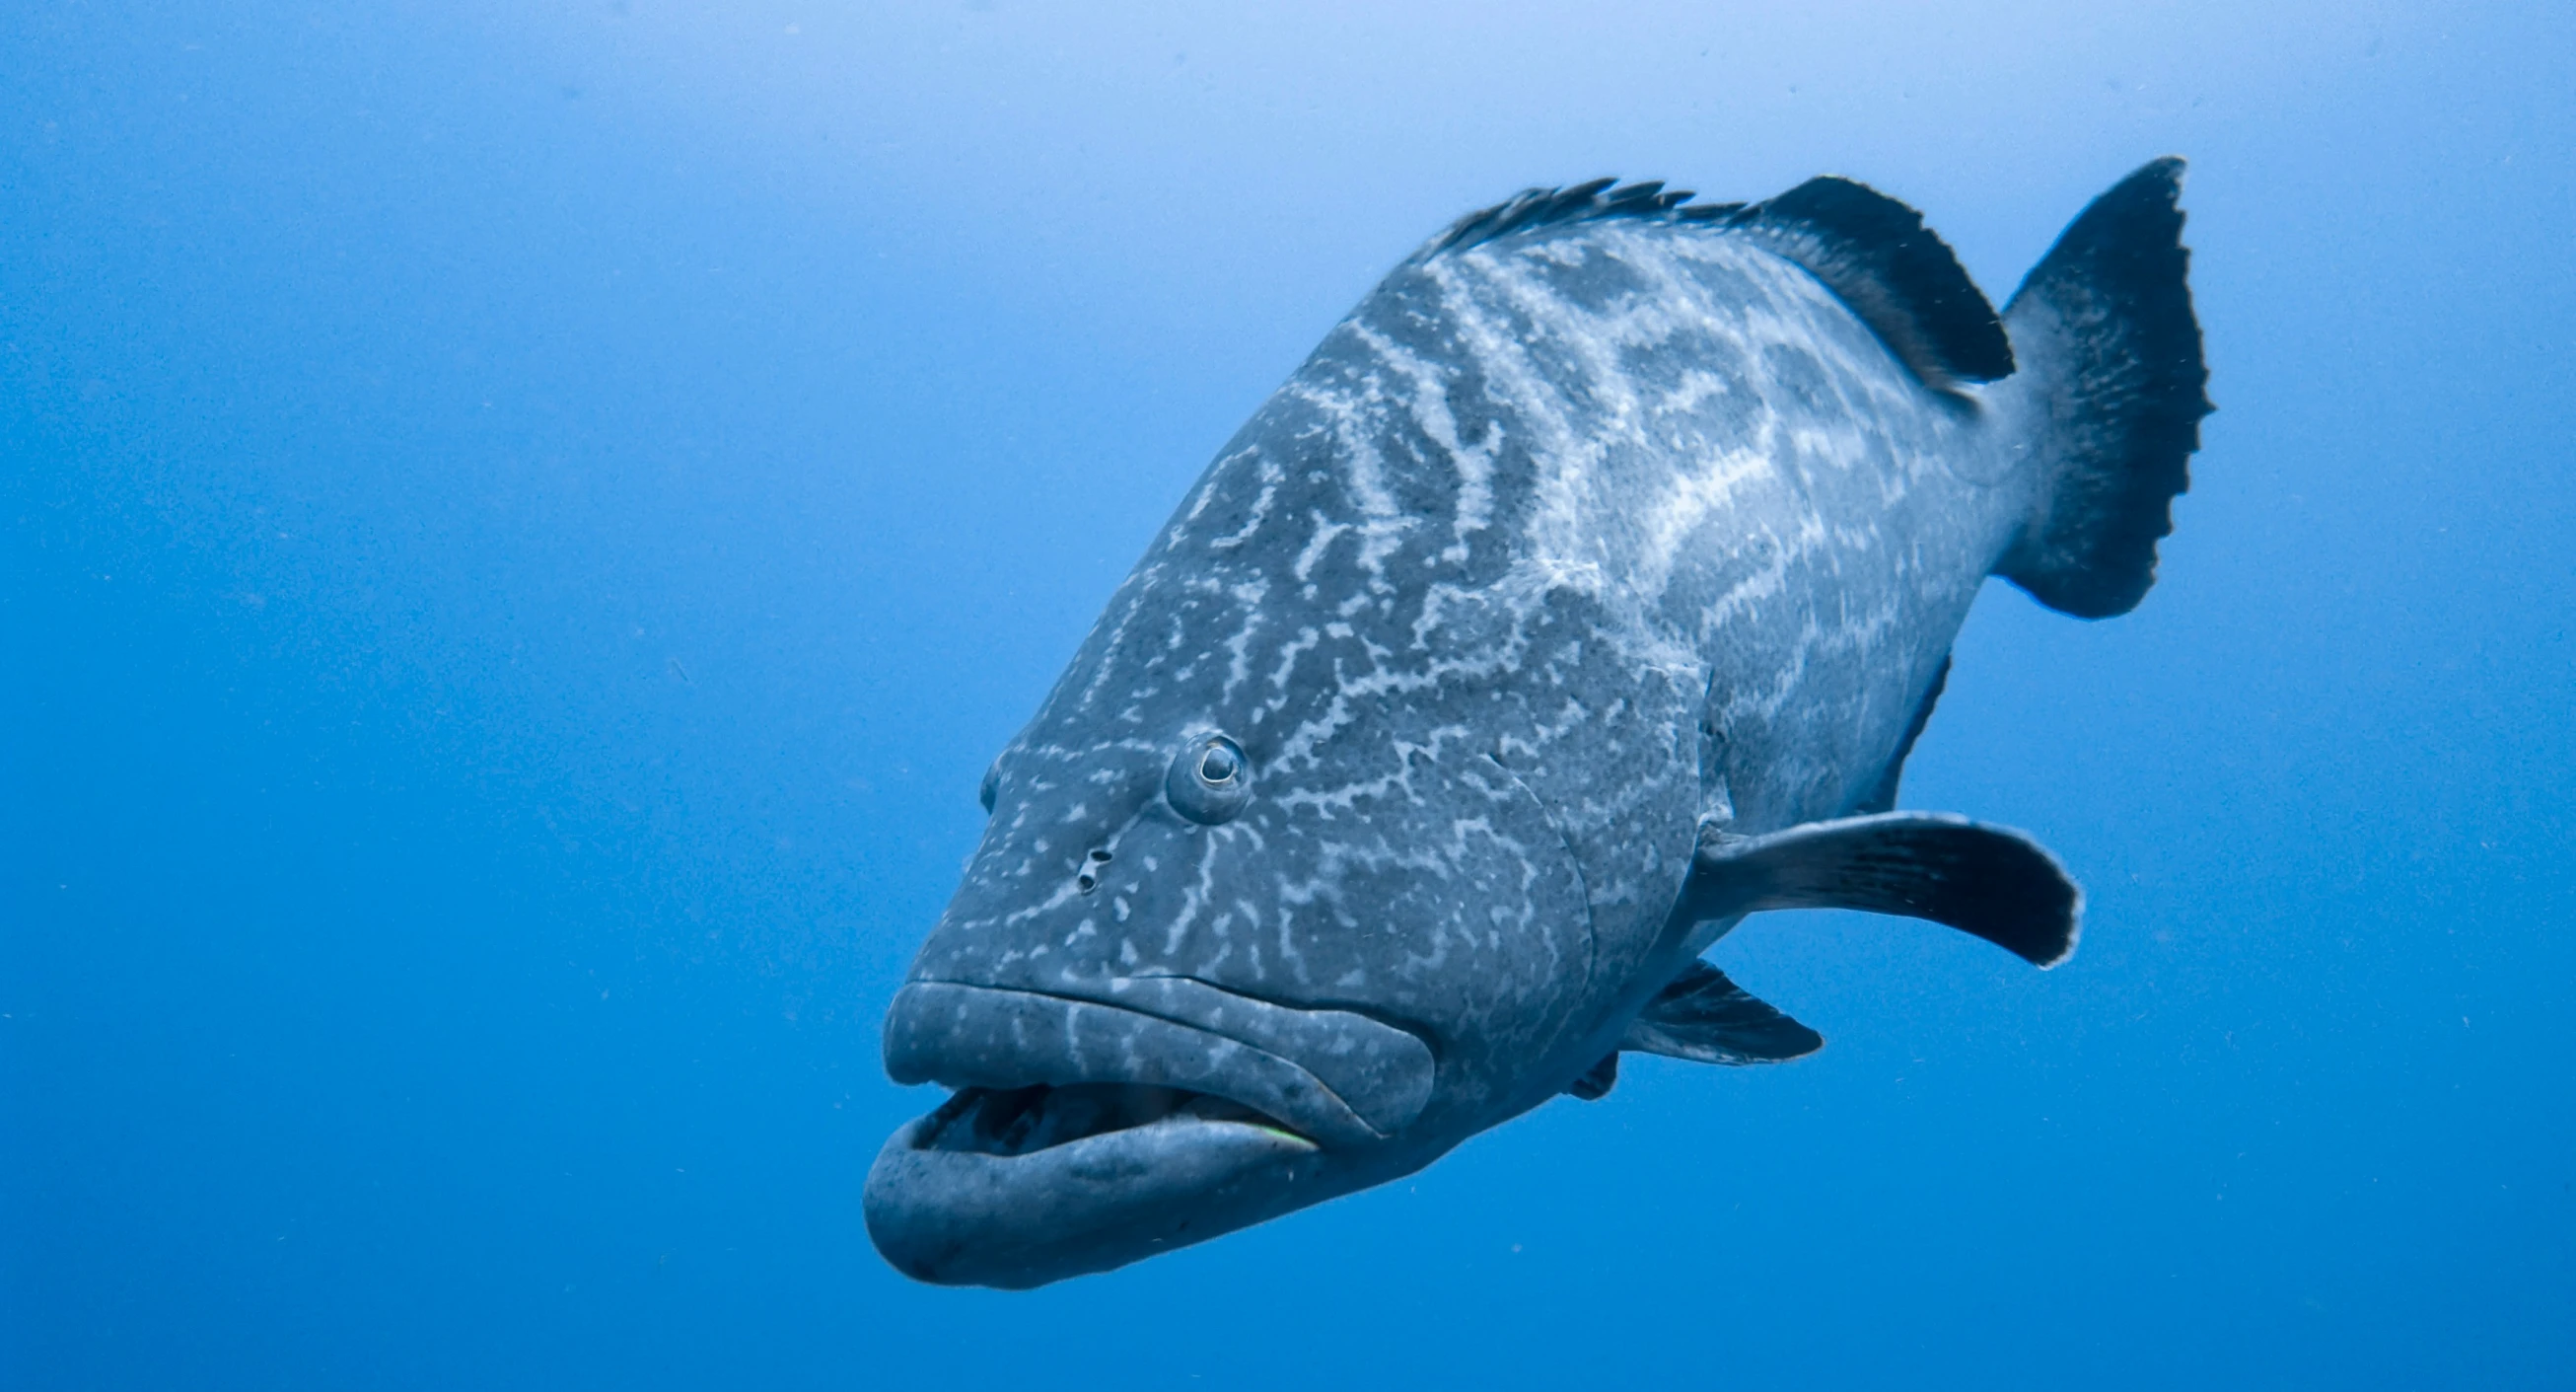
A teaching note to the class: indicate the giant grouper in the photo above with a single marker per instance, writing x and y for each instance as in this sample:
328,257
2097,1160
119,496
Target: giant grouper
1581,594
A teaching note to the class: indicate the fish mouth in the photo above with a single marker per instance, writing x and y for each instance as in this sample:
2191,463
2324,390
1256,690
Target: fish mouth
1022,1121
1099,1123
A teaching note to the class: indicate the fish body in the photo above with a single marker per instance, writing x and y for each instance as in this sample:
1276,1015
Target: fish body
1581,593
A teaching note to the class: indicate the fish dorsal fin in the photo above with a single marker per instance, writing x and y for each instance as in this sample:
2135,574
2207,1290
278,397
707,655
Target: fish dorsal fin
1883,797
1903,281
1987,881
1706,1018
1595,200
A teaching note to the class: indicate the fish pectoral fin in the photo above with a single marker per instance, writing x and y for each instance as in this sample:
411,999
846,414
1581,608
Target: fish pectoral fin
1597,1080
1706,1018
1986,881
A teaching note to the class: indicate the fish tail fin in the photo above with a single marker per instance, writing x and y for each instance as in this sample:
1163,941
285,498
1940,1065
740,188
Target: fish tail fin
2111,392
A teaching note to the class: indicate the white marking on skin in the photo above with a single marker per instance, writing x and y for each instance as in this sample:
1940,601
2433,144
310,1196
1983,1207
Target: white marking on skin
1473,464
1239,646
1706,489
1316,544
1363,468
1561,452
1218,475
1193,898
1687,395
1379,539
1305,642
1260,511
1111,631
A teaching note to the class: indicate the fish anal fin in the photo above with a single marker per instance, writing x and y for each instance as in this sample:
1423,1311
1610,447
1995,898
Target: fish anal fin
1706,1018
1987,881
1876,255
1597,1080
1883,797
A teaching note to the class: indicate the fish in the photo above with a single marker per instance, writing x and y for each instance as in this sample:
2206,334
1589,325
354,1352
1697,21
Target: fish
1583,593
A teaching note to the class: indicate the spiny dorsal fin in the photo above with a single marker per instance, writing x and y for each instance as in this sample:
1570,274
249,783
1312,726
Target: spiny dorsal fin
1987,881
1706,1018
1555,207
1903,281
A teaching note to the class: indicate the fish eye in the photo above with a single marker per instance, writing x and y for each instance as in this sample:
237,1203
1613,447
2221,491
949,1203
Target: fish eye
1210,780
992,788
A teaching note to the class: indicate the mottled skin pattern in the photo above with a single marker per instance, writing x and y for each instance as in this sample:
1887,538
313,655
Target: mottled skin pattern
1562,551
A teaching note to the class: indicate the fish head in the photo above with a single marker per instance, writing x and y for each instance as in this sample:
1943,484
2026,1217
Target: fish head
1227,948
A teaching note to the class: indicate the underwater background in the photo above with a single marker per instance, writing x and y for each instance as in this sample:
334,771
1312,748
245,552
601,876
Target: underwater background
522,525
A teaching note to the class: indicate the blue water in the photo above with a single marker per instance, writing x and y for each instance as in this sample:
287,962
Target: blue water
522,526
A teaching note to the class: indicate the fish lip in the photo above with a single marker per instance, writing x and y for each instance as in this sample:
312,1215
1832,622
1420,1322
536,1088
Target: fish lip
959,1218
974,1208
1337,1078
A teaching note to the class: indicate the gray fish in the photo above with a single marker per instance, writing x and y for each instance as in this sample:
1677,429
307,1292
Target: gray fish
1582,594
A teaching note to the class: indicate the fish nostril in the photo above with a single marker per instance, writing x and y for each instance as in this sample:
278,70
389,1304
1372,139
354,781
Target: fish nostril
1102,857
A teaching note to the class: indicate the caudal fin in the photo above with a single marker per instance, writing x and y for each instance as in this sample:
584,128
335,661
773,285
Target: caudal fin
2111,384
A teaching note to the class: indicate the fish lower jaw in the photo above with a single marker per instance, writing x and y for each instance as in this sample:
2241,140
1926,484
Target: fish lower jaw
950,1200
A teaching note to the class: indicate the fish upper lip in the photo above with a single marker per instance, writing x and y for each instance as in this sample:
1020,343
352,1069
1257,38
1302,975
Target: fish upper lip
1330,1076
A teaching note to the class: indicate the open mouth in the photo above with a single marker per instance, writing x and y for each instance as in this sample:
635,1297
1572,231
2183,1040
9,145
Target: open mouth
1020,1121
1094,1123
1091,1057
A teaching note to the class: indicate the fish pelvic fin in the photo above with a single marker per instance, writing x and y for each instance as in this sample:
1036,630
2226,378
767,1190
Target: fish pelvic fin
2111,394
1597,1080
1705,1018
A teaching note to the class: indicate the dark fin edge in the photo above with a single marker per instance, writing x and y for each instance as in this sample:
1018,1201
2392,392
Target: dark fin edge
1986,881
1705,1018
1871,250
1876,255
2106,322
1556,207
